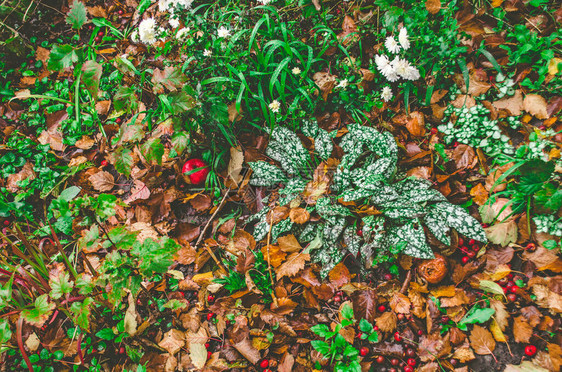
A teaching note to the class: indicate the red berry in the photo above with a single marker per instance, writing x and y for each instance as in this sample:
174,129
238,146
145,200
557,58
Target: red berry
337,299
118,120
400,316
103,163
531,247
461,241
210,316
97,39
509,276
394,361
472,242
456,144
513,289
380,359
475,248
397,336
408,369
120,12
267,370
530,350
264,363
465,259
392,370
412,362
210,298
6,223
542,127
387,277
339,293
199,176
359,334
209,354
122,350
375,328
100,33
207,345
512,297
502,282
485,225
463,248
506,290
420,332
90,27
510,284
434,130
410,353
471,254
359,232
381,309
364,351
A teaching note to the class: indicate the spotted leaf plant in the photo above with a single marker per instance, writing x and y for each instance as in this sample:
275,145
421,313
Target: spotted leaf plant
357,204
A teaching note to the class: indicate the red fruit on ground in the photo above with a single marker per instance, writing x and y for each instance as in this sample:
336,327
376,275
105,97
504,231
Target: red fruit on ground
380,359
122,350
531,247
103,163
264,363
420,332
465,259
97,39
387,277
210,316
207,345
120,12
118,120
512,297
400,316
410,353
461,241
209,354
359,334
210,298
530,350
510,284
434,130
267,370
375,328
471,254
411,362
392,370
337,299
454,362
394,362
408,369
471,242
100,33
513,289
397,336
364,351
6,223
381,309
359,232
199,176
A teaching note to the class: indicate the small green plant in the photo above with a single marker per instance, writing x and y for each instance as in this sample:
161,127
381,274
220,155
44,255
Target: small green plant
341,192
341,353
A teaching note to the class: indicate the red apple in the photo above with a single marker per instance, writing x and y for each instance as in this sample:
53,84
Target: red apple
198,177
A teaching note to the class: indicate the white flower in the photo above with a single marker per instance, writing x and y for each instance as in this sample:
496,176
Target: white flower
403,38
412,73
265,2
386,68
207,53
275,106
342,84
147,31
182,34
135,36
404,69
296,71
175,23
223,32
171,5
392,45
386,94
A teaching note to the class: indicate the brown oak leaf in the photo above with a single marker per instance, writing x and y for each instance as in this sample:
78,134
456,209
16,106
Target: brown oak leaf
482,341
294,264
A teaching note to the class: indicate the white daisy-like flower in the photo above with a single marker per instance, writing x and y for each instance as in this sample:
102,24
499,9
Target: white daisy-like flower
386,94
174,22
386,68
392,45
381,61
412,73
275,106
207,53
296,71
404,69
342,84
403,38
223,32
265,2
182,34
147,31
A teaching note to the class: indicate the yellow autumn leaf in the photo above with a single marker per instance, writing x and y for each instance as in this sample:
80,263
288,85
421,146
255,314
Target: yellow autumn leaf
497,332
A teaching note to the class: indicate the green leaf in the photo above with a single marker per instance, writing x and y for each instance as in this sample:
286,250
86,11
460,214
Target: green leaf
91,75
322,330
81,312
175,304
492,287
350,351
5,333
180,102
40,311
265,174
476,315
62,56
69,193
321,346
76,17
549,197
60,285
347,311
373,337
550,244
124,161
180,142
365,326
153,150
106,334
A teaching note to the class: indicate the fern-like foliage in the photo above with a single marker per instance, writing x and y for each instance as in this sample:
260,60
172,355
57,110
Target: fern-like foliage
359,204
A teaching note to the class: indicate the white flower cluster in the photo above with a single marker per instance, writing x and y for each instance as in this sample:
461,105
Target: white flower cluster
149,32
547,224
473,127
173,5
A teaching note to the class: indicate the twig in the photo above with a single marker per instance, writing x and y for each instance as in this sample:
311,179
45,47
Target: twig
406,282
212,217
216,260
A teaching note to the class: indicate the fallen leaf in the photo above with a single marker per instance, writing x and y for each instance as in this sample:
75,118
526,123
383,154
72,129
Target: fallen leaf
501,316
482,341
130,320
138,192
433,346
525,366
197,349
479,194
536,106
299,215
514,105
294,264
364,304
416,124
326,82
464,157
247,350
289,244
387,321
234,171
172,341
399,303
286,364
555,352
464,353
433,6
102,181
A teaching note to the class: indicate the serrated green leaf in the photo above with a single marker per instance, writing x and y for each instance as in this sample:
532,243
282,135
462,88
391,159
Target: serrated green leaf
124,161
62,56
365,326
153,150
320,346
40,312
91,75
476,315
81,312
60,285
77,16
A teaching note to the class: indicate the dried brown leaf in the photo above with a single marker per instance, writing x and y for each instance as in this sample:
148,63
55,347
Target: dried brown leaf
102,181
482,341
